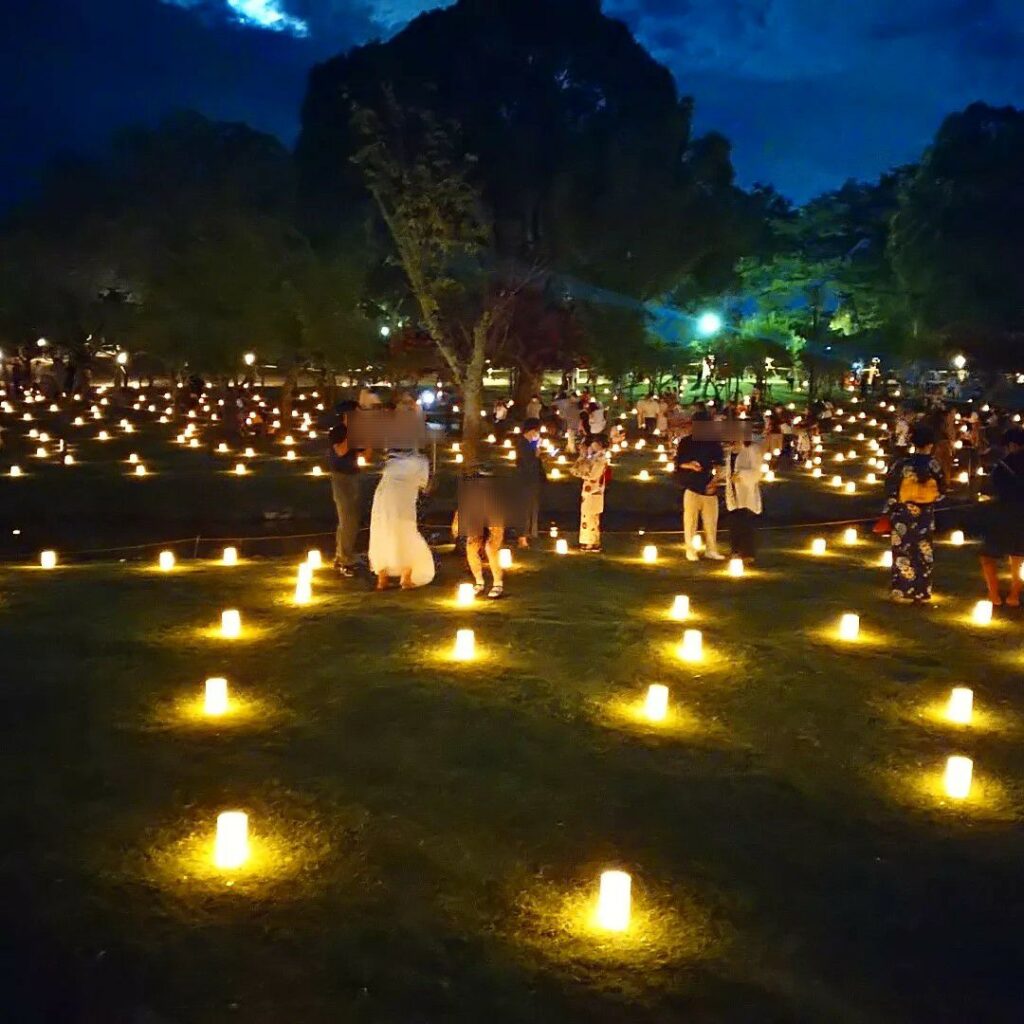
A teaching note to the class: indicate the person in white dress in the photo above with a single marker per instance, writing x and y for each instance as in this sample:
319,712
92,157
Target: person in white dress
397,548
743,497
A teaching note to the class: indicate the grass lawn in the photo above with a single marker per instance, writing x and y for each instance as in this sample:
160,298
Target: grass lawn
428,834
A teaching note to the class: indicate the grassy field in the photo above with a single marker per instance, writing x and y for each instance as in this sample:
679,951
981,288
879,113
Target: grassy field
429,833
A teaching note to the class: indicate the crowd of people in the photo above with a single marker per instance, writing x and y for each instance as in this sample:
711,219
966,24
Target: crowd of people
719,455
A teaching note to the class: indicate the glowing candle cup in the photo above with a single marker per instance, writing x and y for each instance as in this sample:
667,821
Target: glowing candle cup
465,645
850,536
166,561
681,608
982,614
957,778
231,624
818,546
561,546
465,596
230,556
231,847
48,559
961,705
215,697
692,646
650,554
957,538
656,704
505,558
614,901
736,568
849,627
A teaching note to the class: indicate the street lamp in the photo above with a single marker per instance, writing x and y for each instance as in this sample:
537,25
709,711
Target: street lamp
250,358
385,331
709,324
42,343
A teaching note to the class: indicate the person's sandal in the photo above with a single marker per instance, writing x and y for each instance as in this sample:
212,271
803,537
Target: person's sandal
479,588
495,593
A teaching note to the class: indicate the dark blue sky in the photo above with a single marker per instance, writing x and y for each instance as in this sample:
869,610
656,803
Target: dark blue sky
811,92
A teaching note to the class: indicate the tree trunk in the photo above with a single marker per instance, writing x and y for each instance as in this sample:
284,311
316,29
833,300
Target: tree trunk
473,397
528,384
291,381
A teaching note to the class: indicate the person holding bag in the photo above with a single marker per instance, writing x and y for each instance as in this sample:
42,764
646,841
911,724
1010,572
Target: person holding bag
914,485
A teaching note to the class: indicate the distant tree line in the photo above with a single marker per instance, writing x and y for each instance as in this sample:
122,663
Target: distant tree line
515,181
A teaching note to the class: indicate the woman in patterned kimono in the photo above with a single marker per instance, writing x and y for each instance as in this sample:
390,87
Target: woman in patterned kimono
915,483
592,468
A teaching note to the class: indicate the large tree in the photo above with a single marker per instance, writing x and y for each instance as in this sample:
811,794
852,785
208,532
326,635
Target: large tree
958,238
584,158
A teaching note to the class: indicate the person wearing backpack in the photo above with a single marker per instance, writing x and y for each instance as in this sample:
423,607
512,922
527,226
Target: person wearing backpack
914,485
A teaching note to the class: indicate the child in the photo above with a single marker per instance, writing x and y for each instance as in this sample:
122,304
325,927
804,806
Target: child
592,469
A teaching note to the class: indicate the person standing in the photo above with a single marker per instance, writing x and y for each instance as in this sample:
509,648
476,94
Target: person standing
592,468
534,407
480,520
915,483
397,548
743,498
1004,528
343,461
529,479
696,462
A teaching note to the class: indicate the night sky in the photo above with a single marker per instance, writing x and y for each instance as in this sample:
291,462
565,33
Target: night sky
811,92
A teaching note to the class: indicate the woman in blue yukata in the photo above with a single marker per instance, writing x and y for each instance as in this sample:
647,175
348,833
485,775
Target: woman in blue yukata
915,483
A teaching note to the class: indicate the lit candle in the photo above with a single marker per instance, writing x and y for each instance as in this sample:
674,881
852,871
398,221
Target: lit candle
644,475
166,561
231,847
650,554
692,647
215,698
681,608
850,487
886,560
850,535
614,901
15,470
961,705
957,538
230,556
303,591
465,645
314,559
230,624
849,627
656,705
818,546
561,546
505,558
465,595
240,469
983,613
736,567
48,559
957,778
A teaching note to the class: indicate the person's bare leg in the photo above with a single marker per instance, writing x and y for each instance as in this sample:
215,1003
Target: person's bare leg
1016,562
382,581
495,539
990,570
476,565
407,583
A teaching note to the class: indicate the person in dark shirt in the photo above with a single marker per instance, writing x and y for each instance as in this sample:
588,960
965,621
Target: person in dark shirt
529,480
1004,529
697,459
345,488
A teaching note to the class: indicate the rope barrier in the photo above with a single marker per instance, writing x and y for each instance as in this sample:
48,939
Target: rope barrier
198,540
